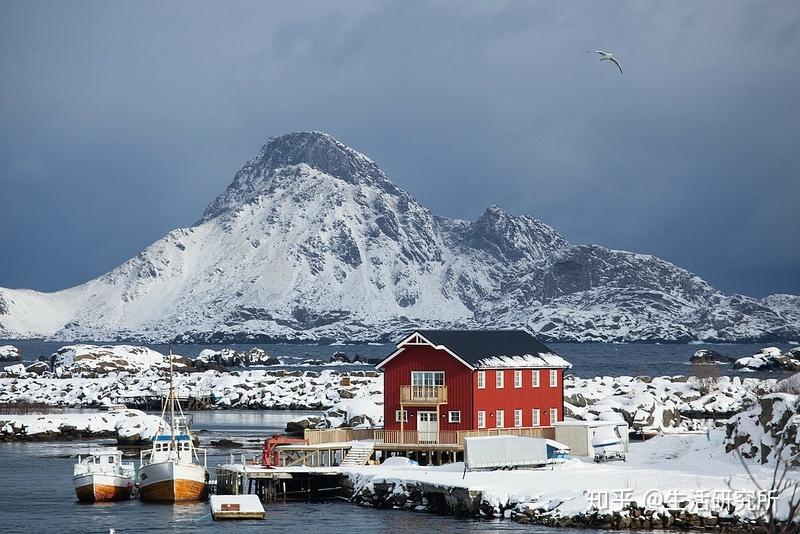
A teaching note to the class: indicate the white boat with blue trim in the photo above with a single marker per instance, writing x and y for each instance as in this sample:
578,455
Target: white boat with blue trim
171,471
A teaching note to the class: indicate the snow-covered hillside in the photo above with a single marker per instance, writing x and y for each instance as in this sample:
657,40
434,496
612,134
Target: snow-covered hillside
311,241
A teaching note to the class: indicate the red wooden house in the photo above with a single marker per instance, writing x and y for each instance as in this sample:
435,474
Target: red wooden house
439,380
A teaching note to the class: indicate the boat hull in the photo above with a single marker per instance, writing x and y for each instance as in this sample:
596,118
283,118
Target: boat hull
95,487
172,482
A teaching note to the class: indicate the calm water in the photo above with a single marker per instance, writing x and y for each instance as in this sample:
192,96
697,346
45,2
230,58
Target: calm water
36,495
588,359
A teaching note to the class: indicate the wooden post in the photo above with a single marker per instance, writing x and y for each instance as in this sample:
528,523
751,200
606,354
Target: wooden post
402,419
437,422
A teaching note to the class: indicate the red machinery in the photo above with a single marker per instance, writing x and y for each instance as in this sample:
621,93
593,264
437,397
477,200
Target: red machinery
270,456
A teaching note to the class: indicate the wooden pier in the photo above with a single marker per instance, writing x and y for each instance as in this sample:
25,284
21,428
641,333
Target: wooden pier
281,483
313,470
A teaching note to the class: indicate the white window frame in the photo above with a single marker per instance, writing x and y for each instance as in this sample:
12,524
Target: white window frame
500,419
536,417
401,416
451,418
553,416
518,378
481,379
535,378
481,419
499,379
553,378
517,418
424,380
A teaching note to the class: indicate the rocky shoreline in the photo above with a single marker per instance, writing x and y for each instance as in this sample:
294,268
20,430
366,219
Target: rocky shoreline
395,490
424,497
128,427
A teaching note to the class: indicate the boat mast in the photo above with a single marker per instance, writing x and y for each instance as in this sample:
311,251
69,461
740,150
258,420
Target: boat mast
171,401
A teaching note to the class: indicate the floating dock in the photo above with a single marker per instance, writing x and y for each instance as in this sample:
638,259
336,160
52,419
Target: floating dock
236,507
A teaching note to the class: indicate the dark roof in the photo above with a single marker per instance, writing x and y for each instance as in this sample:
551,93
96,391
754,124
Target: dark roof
473,346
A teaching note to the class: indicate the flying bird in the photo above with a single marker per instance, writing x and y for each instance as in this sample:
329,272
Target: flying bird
607,56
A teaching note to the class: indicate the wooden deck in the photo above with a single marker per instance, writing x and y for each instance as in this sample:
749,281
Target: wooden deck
411,439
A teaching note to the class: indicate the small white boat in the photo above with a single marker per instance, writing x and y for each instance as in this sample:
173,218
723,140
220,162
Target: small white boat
608,444
171,470
101,475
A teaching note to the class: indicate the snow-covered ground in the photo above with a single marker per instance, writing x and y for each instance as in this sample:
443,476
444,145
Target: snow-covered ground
690,471
128,426
256,389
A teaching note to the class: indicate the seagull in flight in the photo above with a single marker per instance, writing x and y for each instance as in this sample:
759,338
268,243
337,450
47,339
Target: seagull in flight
607,56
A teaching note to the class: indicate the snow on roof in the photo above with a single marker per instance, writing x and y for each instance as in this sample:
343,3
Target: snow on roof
546,359
591,424
487,348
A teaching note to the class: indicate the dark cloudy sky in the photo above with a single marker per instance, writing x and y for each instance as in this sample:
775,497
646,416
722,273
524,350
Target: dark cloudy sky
120,121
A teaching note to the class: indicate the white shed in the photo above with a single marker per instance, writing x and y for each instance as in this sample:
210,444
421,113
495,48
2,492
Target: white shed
579,435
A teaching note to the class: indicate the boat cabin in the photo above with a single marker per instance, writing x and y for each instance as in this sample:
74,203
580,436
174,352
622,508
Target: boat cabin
101,461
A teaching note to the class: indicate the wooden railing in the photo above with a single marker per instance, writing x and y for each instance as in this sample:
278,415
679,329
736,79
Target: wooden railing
423,394
413,437
338,435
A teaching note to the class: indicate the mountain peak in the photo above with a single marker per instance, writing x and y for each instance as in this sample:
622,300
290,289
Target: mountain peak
513,237
317,150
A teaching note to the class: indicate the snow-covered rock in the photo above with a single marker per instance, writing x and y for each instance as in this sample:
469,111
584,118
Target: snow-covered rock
662,403
9,353
234,358
767,432
357,412
134,426
709,357
129,427
78,359
251,389
770,359
17,369
312,241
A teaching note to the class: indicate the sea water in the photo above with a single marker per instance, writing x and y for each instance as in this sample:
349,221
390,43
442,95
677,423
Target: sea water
36,494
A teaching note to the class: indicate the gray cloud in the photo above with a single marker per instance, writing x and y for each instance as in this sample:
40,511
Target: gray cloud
121,121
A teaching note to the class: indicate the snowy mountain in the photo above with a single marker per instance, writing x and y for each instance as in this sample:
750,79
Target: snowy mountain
311,241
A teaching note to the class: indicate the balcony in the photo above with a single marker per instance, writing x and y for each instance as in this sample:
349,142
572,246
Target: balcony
423,395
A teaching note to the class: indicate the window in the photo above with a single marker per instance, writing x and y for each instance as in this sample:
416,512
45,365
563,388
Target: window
535,378
481,419
517,417
401,416
454,417
498,376
535,417
553,416
427,378
481,379
553,378
517,379
500,415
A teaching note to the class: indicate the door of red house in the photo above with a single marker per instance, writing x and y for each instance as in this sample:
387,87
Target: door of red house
427,427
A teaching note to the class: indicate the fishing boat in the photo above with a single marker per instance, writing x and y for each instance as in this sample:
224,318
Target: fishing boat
171,470
101,475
